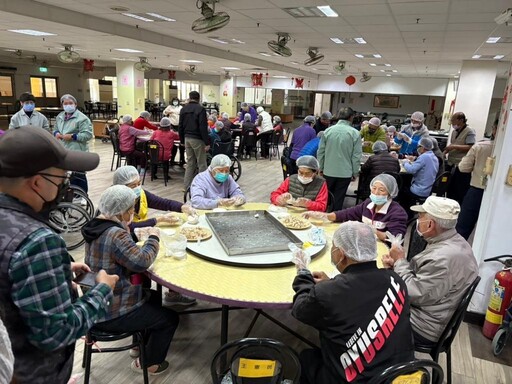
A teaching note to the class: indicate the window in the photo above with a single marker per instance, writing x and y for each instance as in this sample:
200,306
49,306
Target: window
113,79
6,88
184,88
94,90
45,87
258,96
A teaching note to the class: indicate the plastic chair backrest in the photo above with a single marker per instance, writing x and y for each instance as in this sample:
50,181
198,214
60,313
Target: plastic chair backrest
441,184
254,361
411,372
220,148
250,138
115,141
154,151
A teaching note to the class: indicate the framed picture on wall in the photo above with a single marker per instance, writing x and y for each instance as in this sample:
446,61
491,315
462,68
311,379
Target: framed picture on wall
386,101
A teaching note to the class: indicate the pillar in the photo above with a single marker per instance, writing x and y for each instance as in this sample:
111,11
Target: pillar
130,89
154,90
228,96
449,103
492,235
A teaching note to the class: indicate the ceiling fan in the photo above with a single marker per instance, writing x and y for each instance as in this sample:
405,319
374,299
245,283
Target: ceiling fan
211,20
279,46
365,77
340,67
314,56
68,56
191,70
143,65
227,75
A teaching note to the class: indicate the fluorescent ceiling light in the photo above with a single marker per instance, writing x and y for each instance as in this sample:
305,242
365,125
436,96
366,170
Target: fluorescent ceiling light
388,75
327,11
218,40
10,50
387,65
360,56
279,77
314,69
395,71
138,17
476,56
373,64
498,57
377,56
493,40
294,62
382,70
31,32
360,40
164,18
231,68
336,40
191,61
128,50
265,54
236,41
173,66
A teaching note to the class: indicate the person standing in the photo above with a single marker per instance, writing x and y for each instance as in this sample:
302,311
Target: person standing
339,155
173,112
43,314
27,115
463,137
246,108
74,130
372,133
265,130
410,135
193,130
301,136
323,122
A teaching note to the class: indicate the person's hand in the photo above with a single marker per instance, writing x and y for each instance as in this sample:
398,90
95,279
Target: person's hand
396,252
154,231
58,136
447,149
300,258
226,202
407,139
67,137
400,135
206,148
387,261
315,215
187,209
367,143
168,218
282,200
301,202
105,278
394,154
80,267
239,200
319,276
353,178
410,158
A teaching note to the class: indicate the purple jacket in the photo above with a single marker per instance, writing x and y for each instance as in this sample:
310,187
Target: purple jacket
392,217
158,203
252,112
300,138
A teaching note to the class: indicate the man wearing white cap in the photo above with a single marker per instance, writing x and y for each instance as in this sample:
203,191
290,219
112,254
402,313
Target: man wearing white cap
438,277
371,133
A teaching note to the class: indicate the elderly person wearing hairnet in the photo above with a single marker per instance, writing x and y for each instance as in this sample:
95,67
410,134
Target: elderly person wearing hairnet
219,133
379,211
305,189
408,138
372,133
109,246
381,162
166,136
246,108
323,122
128,135
215,187
371,330
74,129
142,122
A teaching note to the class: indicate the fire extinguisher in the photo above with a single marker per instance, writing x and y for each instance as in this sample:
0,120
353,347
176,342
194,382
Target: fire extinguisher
501,294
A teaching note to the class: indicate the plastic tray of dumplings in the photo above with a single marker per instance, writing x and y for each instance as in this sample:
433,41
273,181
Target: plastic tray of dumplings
248,232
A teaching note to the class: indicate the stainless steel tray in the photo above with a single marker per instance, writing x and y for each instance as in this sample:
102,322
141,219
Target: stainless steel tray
242,232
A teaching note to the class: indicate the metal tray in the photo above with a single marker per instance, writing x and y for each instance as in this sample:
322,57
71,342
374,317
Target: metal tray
241,232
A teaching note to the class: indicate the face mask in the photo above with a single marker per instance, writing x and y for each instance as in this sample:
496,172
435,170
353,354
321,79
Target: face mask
49,206
221,177
69,108
378,199
137,191
28,107
416,125
456,127
175,103
417,228
305,180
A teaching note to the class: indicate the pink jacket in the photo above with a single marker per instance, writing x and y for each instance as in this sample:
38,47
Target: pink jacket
167,139
128,136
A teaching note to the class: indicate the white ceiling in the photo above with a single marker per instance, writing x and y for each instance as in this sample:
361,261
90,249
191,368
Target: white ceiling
447,32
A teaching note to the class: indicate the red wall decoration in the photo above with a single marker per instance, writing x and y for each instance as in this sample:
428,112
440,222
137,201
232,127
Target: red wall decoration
88,65
299,82
171,75
350,80
257,79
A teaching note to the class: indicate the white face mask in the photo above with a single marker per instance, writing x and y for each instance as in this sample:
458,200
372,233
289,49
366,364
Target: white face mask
305,180
175,103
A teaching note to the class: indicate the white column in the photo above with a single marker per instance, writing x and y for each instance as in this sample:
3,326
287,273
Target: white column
449,103
228,95
492,236
130,89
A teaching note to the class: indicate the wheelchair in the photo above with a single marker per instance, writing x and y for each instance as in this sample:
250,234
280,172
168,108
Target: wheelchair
227,149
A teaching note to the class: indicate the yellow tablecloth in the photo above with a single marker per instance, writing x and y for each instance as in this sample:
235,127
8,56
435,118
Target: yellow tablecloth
248,287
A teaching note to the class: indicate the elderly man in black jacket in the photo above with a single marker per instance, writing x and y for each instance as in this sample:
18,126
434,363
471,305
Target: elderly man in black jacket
362,314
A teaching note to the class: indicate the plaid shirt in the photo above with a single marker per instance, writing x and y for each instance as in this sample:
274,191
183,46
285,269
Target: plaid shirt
116,253
40,271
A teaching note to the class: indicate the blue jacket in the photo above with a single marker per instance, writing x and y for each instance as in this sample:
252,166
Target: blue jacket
412,147
424,170
311,148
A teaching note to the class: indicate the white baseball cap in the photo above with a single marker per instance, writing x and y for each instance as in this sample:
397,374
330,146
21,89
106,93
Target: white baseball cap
439,207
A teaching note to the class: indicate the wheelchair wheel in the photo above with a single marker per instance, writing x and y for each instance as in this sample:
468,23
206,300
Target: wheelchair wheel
81,198
68,219
499,341
236,168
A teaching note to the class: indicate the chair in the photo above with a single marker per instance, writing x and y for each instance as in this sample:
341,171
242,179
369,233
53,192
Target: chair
441,184
285,166
255,361
94,335
114,139
249,139
274,144
445,340
416,243
154,151
265,140
411,372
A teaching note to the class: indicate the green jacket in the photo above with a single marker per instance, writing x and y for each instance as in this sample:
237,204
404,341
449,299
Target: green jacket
379,135
339,153
78,125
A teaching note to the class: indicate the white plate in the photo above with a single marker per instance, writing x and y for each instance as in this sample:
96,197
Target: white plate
219,210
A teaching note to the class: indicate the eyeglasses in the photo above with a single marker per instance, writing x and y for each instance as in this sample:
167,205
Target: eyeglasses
66,177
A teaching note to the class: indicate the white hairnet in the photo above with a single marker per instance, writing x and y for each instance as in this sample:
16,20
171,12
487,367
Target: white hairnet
219,124
67,96
116,200
212,117
309,162
260,109
145,114
277,119
379,146
356,240
220,161
326,115
225,115
165,122
419,116
426,142
309,119
244,104
388,181
247,117
125,175
375,121
126,119
391,128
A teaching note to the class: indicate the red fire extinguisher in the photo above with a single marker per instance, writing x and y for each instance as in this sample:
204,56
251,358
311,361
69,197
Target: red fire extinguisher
501,294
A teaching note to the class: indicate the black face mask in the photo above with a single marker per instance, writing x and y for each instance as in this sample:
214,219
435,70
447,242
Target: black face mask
49,206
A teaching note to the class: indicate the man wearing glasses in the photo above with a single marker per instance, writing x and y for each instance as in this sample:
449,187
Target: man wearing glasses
40,313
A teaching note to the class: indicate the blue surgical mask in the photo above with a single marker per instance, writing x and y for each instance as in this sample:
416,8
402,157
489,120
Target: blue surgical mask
378,199
137,191
221,177
28,107
69,108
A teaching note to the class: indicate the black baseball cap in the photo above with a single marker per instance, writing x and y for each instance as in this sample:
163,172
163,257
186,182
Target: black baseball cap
25,151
